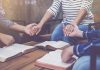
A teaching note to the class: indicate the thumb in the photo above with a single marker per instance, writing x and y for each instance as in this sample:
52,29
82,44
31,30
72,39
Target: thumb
38,31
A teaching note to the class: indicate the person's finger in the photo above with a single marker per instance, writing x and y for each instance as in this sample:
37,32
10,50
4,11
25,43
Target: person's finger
64,29
70,29
74,32
38,31
34,30
28,29
67,30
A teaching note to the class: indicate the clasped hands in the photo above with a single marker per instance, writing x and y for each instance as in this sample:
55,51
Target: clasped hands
71,30
32,29
68,30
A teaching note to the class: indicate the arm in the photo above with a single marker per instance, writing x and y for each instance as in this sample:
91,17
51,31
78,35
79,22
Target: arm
45,18
67,54
93,34
68,28
85,8
17,27
12,25
81,14
52,11
84,49
6,39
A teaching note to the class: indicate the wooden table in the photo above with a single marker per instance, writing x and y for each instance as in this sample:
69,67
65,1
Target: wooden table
24,62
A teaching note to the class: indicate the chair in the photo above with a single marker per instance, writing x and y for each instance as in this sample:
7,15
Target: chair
95,49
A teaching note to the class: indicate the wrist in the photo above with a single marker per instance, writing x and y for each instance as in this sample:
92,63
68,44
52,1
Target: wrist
80,34
40,25
23,29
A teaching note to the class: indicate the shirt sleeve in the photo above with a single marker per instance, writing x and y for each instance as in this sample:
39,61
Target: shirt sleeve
5,22
87,4
54,9
93,34
82,49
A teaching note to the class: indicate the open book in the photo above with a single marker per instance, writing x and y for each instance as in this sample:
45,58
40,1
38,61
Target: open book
14,50
52,45
52,60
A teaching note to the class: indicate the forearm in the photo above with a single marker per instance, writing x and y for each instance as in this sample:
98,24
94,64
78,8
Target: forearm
89,34
1,35
6,39
45,18
84,49
67,54
92,34
81,14
17,27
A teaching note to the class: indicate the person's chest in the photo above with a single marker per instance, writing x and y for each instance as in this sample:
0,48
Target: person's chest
71,4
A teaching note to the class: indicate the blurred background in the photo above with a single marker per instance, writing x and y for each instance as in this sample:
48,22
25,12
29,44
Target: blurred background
29,11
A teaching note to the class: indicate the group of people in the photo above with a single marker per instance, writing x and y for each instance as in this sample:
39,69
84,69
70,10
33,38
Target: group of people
77,16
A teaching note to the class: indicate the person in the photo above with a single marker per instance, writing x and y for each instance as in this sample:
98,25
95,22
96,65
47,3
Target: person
75,12
82,50
9,39
4,22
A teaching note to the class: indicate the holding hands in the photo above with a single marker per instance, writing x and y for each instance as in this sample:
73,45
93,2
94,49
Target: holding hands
32,29
72,30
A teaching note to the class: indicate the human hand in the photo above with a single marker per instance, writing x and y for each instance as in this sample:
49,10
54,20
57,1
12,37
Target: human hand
6,39
67,54
76,32
37,28
67,29
30,29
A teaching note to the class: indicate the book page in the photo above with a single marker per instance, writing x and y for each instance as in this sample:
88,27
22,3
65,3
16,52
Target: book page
54,58
55,44
7,52
20,47
58,44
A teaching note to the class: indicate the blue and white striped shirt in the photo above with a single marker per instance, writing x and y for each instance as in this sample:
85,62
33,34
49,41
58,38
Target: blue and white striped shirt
70,9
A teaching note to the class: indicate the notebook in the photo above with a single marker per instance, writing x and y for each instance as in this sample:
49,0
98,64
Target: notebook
52,60
14,50
52,45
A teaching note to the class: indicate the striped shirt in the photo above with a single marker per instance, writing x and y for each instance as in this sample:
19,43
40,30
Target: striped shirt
70,9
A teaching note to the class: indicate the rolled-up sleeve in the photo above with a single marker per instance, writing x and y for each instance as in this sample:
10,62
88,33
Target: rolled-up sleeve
82,49
5,22
87,4
93,34
54,9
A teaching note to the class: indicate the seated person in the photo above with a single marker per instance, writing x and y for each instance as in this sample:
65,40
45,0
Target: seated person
79,50
8,39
